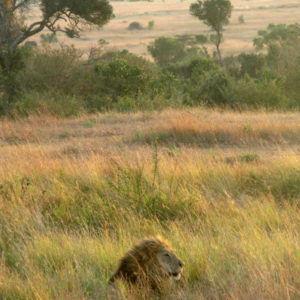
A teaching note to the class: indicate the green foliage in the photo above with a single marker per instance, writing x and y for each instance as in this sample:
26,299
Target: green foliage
92,12
191,39
76,14
215,14
213,85
9,86
185,74
249,157
167,50
135,26
52,69
262,92
90,123
48,38
201,38
241,19
121,78
195,68
283,46
165,85
251,64
51,102
103,42
201,65
151,25
277,35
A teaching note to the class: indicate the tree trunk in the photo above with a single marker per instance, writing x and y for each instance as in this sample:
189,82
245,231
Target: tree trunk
218,43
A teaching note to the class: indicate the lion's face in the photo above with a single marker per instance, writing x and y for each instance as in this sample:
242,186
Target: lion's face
172,265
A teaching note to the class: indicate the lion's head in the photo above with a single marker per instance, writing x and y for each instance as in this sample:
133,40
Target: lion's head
170,263
152,259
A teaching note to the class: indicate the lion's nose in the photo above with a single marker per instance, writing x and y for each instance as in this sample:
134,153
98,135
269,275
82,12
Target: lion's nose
181,264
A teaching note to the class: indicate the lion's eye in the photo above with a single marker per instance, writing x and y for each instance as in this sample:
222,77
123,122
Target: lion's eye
167,255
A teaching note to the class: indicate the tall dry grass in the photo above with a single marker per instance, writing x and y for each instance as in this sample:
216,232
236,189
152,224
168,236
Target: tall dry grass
76,194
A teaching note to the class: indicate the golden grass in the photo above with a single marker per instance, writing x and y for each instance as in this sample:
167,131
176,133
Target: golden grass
75,194
172,17
219,128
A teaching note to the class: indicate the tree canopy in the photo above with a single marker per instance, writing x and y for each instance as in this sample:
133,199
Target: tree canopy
166,50
68,16
277,34
214,13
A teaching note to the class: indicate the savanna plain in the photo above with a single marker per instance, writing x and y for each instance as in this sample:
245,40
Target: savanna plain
172,17
222,187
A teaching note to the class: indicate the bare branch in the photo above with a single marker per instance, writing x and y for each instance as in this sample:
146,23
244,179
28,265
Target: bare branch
27,33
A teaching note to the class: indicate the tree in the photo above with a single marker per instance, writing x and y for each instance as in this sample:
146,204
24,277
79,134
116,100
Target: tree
277,35
216,14
167,50
283,47
68,16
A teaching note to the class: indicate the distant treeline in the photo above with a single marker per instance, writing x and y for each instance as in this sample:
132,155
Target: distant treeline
58,80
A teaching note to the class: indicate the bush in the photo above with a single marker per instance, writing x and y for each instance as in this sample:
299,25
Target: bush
50,102
251,64
53,69
201,65
48,38
201,39
213,86
167,50
135,26
254,93
124,76
184,74
241,19
165,85
151,25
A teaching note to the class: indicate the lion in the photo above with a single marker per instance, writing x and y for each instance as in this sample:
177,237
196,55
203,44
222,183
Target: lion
151,263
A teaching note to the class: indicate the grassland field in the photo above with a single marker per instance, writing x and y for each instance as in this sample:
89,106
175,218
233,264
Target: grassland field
222,187
172,17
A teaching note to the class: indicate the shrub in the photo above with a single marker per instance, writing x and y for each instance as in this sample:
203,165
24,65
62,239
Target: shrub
50,102
283,44
165,85
254,93
120,77
192,67
103,42
251,64
200,65
135,26
167,50
241,19
53,68
201,38
48,38
213,85
151,25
